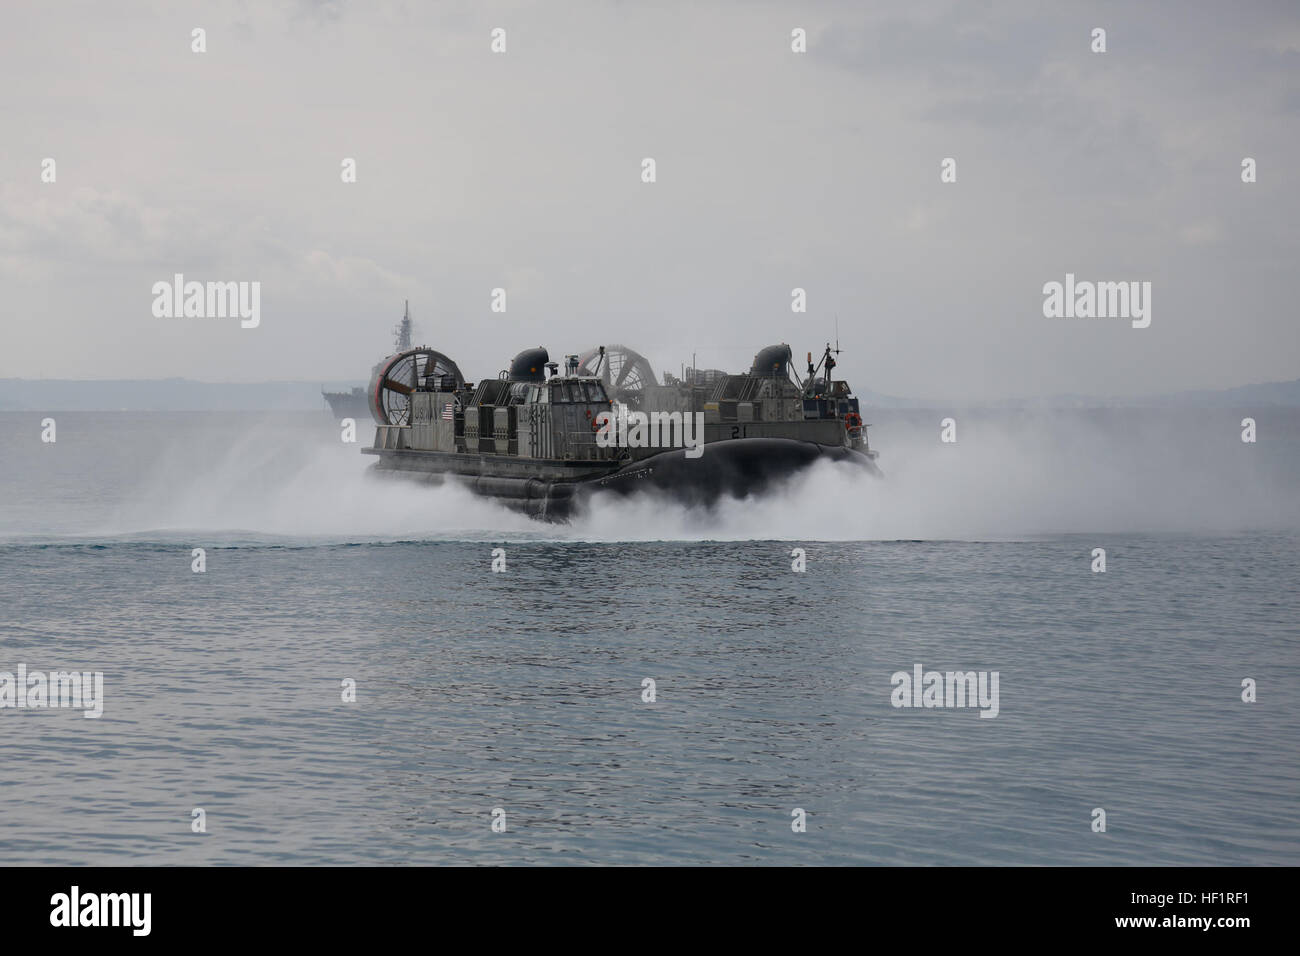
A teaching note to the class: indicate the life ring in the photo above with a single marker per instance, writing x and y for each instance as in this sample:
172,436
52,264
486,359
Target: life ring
852,421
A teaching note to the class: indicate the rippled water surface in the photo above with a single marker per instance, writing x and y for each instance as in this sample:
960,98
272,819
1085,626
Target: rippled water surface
522,690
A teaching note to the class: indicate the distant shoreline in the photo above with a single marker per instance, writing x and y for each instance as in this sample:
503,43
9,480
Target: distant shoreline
161,395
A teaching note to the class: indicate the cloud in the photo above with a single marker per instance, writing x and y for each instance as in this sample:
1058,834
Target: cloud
776,170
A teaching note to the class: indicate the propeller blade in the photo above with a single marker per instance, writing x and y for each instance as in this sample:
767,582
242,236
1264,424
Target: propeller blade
398,387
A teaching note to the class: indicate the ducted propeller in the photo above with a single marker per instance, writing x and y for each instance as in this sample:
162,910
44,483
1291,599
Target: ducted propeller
625,371
397,377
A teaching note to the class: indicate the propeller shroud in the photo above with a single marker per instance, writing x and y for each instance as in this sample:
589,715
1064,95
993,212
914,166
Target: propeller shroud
397,377
625,372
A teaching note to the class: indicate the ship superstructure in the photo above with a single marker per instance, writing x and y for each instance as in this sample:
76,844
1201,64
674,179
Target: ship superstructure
353,404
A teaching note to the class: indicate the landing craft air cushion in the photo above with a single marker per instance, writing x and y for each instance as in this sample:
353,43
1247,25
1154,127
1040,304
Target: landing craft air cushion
544,444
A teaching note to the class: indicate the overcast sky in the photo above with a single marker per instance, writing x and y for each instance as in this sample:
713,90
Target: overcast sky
775,170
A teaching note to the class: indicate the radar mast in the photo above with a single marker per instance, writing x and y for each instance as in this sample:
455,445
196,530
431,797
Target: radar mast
403,330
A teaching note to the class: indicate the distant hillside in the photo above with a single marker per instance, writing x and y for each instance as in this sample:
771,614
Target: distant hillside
1243,396
184,395
1270,393
172,394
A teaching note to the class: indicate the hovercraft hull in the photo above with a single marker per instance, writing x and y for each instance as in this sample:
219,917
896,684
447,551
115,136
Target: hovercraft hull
735,468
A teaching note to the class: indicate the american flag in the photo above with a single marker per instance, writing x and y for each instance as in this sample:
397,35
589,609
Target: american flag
447,413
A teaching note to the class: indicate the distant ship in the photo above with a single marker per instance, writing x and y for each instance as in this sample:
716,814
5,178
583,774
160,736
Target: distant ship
355,404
